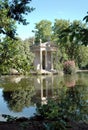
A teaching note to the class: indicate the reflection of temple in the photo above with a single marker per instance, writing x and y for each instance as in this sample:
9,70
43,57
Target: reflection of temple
44,88
50,86
44,58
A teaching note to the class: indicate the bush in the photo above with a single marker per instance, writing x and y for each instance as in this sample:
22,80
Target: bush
53,115
69,67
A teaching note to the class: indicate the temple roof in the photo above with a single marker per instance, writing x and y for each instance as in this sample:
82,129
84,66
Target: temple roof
49,46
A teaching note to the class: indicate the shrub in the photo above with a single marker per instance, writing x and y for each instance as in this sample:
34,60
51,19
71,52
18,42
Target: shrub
69,67
53,115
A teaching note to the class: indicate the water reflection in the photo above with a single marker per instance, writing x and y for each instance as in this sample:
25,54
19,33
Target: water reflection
17,100
75,104
70,80
17,93
44,88
20,93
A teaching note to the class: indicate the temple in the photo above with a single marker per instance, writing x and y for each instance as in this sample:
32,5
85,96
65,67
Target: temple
44,58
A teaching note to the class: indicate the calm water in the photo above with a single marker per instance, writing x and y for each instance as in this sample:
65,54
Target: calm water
19,95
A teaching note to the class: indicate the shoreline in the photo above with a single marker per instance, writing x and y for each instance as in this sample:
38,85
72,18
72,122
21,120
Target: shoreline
81,71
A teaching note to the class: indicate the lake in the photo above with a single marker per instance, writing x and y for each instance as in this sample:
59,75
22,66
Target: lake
20,94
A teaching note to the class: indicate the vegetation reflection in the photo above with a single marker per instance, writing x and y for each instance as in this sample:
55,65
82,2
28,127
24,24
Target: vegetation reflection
64,97
18,95
71,107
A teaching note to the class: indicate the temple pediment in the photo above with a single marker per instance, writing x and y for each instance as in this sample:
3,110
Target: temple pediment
49,46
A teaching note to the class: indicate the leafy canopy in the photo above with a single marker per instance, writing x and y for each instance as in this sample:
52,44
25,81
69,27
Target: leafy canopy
12,11
43,30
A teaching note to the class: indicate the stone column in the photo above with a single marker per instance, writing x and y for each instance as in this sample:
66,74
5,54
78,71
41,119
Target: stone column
40,59
52,85
51,61
41,83
40,55
46,88
46,59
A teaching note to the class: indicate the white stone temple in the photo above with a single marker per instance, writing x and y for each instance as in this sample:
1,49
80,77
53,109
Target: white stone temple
44,61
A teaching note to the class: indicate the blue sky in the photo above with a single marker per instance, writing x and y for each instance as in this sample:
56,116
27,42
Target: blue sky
51,10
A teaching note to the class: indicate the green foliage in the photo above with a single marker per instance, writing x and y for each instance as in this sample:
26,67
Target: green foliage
9,118
10,12
60,57
82,57
86,18
24,125
52,112
10,52
20,94
67,103
43,31
7,51
85,31
73,32
15,54
70,37
49,110
57,28
71,105
24,58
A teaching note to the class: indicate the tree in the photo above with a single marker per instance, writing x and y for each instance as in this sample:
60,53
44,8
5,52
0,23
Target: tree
25,57
43,30
72,37
85,31
78,30
29,40
82,57
86,18
58,26
12,11
8,49
69,37
15,54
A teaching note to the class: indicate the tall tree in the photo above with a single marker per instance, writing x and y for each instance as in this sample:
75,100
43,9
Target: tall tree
69,37
43,31
8,49
85,31
15,54
59,25
72,37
